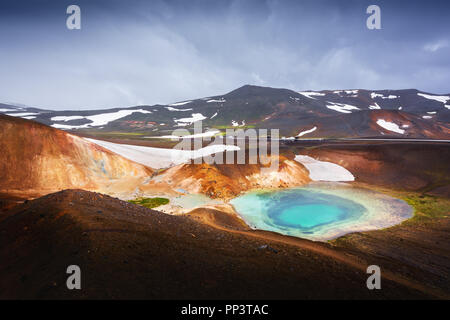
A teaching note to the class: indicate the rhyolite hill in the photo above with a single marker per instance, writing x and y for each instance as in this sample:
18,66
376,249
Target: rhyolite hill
318,114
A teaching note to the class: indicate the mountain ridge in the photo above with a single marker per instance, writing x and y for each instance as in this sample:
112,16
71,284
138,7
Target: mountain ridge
252,106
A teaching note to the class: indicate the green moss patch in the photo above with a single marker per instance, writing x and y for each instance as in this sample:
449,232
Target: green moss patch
150,202
427,206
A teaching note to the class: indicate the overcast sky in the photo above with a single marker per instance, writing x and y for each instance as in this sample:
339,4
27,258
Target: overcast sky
146,52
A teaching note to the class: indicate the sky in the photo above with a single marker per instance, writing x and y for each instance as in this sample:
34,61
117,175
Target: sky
137,52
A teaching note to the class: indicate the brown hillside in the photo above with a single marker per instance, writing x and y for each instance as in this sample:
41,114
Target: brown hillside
128,251
37,159
228,180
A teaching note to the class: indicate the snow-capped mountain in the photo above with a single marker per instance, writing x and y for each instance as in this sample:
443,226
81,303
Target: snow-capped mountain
303,114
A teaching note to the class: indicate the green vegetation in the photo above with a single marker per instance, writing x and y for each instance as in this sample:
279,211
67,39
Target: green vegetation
118,133
150,202
231,127
427,207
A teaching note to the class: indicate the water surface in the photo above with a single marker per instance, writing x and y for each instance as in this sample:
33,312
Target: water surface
320,211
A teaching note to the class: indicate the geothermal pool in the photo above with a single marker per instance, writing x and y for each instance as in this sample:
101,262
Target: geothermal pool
320,211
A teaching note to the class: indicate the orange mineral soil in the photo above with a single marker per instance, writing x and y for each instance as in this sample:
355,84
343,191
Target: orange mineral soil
37,159
226,181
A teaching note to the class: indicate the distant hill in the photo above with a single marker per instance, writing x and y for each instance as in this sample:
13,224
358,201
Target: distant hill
406,113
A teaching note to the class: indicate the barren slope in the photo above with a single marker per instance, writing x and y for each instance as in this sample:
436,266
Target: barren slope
37,159
228,180
127,251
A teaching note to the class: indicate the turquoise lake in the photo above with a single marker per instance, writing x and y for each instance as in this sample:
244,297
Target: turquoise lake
319,212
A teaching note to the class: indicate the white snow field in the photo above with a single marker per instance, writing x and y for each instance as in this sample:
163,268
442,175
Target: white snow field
22,114
157,158
311,94
390,126
180,103
341,107
375,95
215,100
188,121
66,118
198,135
442,99
97,120
306,132
175,109
323,170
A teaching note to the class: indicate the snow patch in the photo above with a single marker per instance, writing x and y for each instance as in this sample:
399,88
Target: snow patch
190,136
390,126
188,121
236,124
306,132
104,118
215,100
374,107
442,99
65,126
341,107
373,95
175,109
324,171
65,119
180,103
310,94
160,157
98,120
22,114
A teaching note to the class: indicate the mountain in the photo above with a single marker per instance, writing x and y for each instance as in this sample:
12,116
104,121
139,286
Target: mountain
307,114
37,159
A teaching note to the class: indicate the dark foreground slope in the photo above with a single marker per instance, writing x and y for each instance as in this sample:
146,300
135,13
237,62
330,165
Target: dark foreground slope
127,251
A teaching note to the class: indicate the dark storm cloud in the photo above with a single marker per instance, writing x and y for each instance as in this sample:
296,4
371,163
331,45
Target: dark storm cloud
146,52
